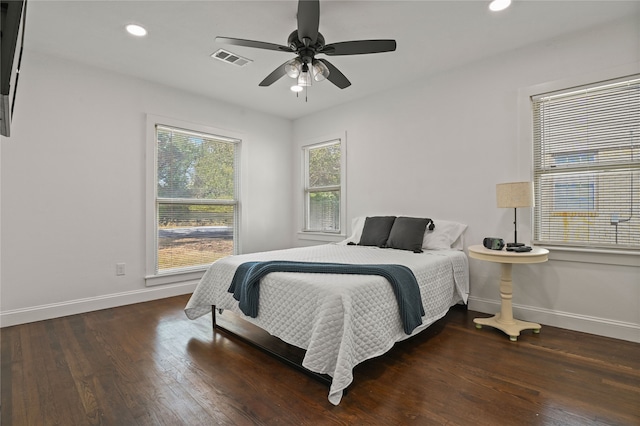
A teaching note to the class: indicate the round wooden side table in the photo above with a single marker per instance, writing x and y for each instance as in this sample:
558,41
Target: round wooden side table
504,319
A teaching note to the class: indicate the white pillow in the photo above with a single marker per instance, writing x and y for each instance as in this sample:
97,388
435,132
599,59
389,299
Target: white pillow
357,225
445,236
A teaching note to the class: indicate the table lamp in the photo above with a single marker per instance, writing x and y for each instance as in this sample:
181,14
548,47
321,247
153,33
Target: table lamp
514,195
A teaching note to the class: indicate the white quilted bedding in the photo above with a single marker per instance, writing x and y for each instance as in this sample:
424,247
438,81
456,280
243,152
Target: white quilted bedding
341,320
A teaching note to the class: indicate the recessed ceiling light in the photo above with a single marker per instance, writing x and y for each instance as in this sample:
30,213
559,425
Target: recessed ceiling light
136,30
498,5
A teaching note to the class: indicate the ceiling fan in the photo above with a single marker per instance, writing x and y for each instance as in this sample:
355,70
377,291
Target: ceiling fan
306,42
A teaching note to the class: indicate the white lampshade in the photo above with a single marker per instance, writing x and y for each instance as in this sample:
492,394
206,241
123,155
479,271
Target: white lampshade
515,194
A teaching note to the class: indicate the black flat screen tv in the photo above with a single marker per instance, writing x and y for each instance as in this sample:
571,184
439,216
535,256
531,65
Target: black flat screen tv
12,24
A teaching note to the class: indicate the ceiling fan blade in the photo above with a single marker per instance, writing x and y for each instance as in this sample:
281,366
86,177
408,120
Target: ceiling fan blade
359,47
308,20
335,76
252,43
276,75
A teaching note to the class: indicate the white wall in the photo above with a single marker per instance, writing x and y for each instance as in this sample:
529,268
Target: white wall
73,186
438,146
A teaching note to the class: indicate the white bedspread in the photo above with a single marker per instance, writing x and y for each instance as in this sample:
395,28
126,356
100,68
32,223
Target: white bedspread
341,320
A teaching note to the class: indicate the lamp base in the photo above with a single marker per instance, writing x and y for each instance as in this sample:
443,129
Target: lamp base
515,244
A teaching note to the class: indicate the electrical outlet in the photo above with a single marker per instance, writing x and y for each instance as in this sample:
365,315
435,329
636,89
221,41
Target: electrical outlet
120,268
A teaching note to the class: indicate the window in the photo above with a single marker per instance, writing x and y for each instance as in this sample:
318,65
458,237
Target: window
587,165
323,187
196,198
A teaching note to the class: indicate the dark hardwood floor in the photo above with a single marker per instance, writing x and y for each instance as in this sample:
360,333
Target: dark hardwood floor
147,364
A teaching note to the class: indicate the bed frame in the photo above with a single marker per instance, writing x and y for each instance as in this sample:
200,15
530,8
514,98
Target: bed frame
323,378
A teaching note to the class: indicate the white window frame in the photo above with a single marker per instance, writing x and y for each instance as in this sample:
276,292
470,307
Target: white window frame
525,161
320,235
153,276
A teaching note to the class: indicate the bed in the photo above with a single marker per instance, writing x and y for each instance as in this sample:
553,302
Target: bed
342,320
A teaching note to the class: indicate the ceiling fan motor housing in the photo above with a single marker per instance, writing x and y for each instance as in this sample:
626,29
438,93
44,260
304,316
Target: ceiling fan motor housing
306,53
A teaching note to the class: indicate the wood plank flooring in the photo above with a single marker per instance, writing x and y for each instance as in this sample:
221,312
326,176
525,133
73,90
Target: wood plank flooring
147,364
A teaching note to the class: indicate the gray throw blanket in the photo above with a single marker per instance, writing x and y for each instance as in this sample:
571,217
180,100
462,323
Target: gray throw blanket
246,289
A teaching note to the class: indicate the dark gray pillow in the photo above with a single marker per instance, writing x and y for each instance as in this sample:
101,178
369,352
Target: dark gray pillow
407,233
376,230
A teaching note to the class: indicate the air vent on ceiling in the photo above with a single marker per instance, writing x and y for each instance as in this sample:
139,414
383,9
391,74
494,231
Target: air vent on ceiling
232,58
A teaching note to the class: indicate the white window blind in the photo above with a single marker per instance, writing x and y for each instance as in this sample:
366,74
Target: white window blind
196,198
587,165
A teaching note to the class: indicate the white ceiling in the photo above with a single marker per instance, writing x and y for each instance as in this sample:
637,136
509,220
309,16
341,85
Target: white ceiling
432,36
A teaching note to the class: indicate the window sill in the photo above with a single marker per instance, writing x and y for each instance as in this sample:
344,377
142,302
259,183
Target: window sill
175,277
599,256
321,236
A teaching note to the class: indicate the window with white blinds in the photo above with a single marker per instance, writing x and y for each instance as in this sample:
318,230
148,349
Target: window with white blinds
323,186
587,165
196,198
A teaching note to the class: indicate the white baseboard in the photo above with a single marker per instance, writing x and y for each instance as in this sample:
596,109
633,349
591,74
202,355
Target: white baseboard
79,306
570,321
587,324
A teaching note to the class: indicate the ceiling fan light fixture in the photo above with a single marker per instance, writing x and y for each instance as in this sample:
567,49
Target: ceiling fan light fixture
319,70
296,88
304,79
292,68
